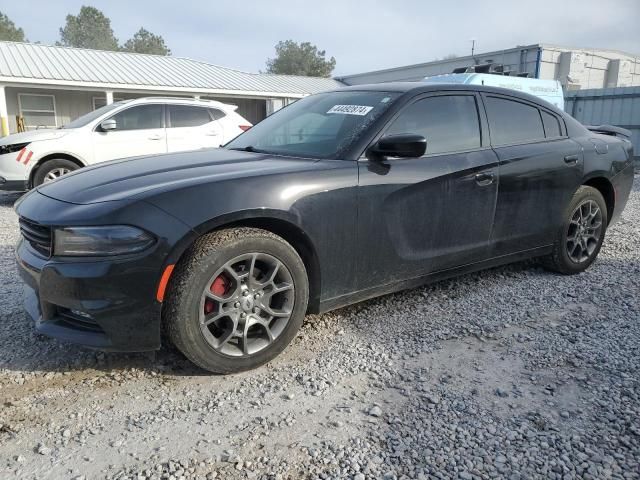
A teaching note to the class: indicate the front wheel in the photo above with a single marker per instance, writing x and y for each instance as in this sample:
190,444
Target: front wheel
236,300
581,235
52,170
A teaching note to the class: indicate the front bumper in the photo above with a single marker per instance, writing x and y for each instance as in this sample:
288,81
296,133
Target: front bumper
107,305
12,185
13,174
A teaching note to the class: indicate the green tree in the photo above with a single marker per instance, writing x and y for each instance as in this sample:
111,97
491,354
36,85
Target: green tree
89,29
9,31
146,42
294,58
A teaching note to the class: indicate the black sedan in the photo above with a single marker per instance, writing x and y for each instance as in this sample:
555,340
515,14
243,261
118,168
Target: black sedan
339,197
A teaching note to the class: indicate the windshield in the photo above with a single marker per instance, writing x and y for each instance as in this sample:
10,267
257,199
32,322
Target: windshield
319,126
91,116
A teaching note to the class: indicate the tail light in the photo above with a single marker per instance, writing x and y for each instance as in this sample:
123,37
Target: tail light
244,128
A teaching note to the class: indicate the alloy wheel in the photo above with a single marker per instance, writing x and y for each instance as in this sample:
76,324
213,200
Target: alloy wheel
55,174
585,230
246,304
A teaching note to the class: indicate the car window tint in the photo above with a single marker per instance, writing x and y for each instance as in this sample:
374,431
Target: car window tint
139,118
512,122
449,123
186,116
217,114
551,125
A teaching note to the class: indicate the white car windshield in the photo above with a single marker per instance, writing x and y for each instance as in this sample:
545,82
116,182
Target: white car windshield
91,116
319,126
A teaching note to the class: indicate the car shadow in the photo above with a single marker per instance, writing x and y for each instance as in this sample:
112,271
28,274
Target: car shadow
23,350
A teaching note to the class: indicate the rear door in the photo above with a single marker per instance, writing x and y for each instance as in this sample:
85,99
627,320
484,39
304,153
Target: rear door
139,131
421,215
191,127
540,169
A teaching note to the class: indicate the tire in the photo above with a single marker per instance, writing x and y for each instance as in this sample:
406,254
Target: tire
564,258
53,168
216,266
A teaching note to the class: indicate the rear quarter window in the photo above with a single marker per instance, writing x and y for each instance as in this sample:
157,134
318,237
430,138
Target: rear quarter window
551,125
513,122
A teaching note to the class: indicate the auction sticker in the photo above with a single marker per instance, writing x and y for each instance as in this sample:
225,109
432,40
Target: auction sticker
361,110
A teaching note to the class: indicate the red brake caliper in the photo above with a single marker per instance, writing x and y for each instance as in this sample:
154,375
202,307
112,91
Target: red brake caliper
220,287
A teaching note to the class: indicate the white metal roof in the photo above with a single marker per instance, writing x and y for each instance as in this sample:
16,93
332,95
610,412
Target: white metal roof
63,66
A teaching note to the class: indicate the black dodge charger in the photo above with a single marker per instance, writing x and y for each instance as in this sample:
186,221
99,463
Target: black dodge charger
339,197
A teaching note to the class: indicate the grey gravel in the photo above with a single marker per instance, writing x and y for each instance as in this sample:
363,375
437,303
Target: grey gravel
509,373
375,411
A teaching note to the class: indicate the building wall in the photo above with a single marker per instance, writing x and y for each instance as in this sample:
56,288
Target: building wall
70,104
608,106
522,59
583,69
574,68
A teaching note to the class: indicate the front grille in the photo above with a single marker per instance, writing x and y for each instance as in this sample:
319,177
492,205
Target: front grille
38,236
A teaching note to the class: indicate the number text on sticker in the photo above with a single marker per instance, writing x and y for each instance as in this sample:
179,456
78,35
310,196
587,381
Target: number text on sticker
350,109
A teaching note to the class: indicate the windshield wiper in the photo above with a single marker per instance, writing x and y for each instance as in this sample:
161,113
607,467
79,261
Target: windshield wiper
248,148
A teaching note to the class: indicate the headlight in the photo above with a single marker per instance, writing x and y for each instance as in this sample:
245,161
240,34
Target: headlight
16,147
100,241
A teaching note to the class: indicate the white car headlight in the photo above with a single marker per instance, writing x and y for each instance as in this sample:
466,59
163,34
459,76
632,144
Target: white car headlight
14,147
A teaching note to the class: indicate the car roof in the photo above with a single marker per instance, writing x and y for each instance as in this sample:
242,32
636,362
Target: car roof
420,87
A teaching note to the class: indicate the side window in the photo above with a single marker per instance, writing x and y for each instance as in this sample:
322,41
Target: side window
551,125
217,114
449,123
139,118
512,122
186,116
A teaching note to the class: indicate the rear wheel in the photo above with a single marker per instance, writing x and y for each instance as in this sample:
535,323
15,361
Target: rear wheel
52,170
580,238
236,300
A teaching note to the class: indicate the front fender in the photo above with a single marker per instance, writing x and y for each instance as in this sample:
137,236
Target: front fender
320,205
236,218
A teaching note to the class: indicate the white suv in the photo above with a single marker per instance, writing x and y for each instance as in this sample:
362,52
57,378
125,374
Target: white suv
144,126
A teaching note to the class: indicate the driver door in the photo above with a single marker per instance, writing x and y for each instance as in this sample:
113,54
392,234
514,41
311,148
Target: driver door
423,215
139,131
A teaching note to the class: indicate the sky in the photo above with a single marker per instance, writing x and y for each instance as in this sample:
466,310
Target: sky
361,35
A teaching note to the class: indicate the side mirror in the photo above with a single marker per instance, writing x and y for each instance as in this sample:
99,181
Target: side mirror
406,145
108,125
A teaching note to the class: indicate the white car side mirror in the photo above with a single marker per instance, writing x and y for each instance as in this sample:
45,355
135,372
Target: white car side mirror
107,125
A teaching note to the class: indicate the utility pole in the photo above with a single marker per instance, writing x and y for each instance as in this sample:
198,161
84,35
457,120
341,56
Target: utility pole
473,46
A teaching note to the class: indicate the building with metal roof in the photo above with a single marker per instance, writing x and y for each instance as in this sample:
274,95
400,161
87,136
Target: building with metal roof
44,86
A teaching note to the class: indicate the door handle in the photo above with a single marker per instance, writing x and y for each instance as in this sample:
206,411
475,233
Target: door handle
484,179
212,133
155,137
571,159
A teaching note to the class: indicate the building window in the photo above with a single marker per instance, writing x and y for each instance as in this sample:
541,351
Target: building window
38,111
99,102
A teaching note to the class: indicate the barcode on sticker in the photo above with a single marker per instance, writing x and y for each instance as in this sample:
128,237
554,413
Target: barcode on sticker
350,109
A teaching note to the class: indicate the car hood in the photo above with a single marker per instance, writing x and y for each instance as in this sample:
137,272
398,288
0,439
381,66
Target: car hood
33,136
135,177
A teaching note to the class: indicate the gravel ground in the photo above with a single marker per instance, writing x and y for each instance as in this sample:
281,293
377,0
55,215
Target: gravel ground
509,373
